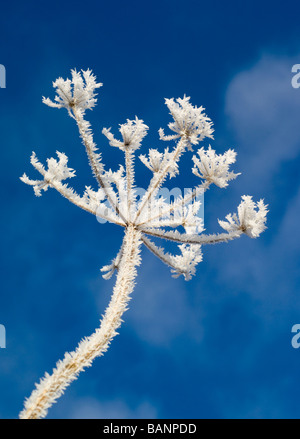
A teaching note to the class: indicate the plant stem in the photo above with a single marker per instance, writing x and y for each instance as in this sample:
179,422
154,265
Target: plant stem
97,168
129,179
52,386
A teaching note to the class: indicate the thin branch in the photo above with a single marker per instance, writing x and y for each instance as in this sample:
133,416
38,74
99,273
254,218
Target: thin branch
164,257
94,158
77,200
68,193
129,157
159,177
192,239
114,265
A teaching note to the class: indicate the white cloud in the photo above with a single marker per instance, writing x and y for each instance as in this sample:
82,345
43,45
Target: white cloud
91,408
263,111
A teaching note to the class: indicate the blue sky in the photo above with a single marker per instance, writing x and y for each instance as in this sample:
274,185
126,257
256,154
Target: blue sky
218,346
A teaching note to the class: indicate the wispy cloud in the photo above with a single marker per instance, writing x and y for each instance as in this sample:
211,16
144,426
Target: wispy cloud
263,110
91,408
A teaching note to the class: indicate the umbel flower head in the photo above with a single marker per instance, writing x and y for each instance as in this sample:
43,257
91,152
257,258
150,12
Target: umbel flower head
250,219
116,200
144,218
133,132
57,172
214,167
190,123
79,92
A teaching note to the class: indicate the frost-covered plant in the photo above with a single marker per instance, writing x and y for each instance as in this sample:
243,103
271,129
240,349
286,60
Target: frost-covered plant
116,200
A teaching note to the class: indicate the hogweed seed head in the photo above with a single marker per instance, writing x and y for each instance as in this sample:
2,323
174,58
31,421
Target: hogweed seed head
79,92
190,123
149,216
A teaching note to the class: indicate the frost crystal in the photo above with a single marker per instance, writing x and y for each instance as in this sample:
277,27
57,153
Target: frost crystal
251,218
156,161
57,172
213,167
132,132
190,122
77,92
